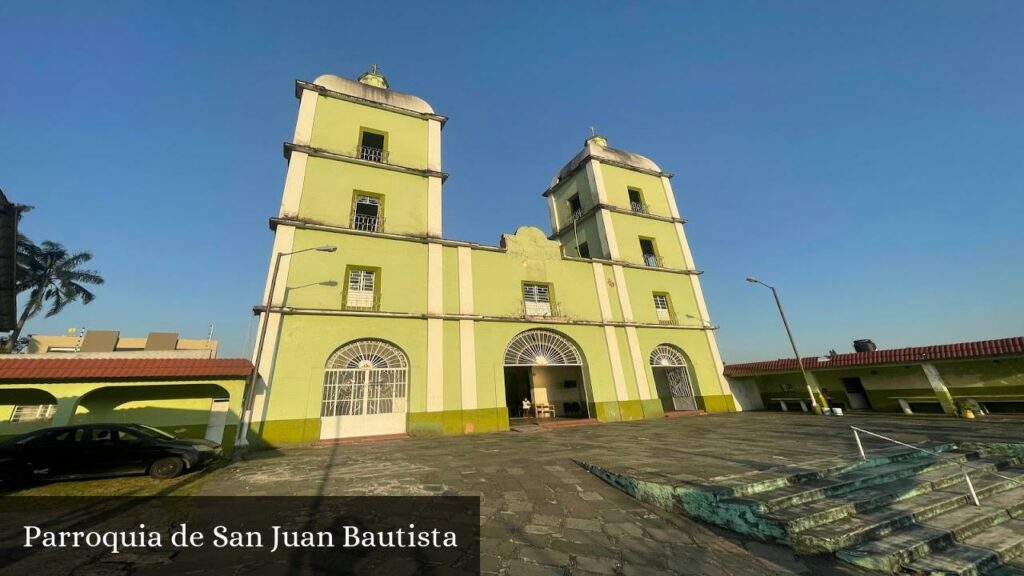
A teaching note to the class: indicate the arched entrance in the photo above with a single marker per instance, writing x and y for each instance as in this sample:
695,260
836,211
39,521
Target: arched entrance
545,369
366,384
672,378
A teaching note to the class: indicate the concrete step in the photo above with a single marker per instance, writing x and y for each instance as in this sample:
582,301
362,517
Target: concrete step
846,482
927,494
766,480
891,506
980,554
1014,567
917,540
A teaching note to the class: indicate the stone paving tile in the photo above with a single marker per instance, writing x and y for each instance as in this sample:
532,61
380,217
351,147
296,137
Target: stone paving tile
528,481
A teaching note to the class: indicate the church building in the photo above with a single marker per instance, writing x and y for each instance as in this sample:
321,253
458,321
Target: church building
380,325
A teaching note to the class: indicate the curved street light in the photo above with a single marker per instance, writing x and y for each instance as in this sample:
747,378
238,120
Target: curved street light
815,407
250,389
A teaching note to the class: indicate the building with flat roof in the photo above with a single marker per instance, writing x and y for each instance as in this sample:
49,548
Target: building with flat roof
986,376
404,331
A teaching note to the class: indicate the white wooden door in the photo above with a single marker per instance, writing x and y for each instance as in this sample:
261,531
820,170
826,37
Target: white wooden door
363,402
218,416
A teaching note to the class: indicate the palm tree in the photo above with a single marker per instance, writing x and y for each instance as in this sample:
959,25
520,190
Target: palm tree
53,276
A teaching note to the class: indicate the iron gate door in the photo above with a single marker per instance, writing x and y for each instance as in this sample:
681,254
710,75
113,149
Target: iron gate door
682,392
363,402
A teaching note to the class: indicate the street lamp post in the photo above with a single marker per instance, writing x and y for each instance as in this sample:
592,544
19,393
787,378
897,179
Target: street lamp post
250,388
799,361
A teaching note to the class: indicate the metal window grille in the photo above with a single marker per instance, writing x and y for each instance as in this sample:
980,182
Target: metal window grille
365,377
541,348
662,308
638,207
536,300
33,413
369,220
373,154
361,284
652,260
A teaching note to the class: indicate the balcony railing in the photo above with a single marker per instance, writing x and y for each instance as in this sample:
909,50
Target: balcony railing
373,154
638,207
666,316
652,260
361,301
540,310
367,223
577,214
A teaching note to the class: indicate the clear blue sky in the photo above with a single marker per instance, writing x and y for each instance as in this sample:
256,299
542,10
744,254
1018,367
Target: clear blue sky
865,157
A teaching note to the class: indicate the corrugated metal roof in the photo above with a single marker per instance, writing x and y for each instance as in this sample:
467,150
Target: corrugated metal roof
959,351
73,369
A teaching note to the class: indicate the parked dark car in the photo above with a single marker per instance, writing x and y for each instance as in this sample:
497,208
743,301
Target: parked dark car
92,450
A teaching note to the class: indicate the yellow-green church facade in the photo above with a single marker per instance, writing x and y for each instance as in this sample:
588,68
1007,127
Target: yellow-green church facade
400,330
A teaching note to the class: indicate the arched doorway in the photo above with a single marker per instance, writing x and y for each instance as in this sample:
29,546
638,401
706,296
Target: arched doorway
546,369
366,384
672,378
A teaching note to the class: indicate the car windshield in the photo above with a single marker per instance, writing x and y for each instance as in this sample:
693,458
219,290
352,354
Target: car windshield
151,432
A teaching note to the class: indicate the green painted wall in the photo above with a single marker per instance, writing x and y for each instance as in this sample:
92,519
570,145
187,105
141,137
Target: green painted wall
317,279
329,192
618,181
338,124
628,231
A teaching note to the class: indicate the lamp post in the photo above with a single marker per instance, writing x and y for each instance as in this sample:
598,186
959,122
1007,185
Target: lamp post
799,361
250,388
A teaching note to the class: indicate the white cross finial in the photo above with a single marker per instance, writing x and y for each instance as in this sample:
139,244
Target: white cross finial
374,69
593,132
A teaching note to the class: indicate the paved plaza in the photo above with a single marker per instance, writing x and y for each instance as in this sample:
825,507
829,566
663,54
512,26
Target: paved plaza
543,514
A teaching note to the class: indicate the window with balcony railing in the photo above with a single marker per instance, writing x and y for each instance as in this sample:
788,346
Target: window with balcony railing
371,147
650,255
537,300
361,293
575,208
636,201
366,214
663,309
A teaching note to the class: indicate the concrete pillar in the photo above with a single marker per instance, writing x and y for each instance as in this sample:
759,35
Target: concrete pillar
65,411
939,387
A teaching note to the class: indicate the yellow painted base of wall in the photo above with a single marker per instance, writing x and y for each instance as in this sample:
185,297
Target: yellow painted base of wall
720,403
455,422
280,433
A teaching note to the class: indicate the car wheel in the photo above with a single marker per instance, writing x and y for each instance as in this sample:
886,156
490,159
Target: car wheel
166,468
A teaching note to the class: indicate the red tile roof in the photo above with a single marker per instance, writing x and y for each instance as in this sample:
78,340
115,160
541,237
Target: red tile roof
74,369
960,351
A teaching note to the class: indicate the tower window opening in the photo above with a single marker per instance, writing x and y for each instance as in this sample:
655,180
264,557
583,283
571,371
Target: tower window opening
584,250
574,207
371,147
366,216
636,201
650,255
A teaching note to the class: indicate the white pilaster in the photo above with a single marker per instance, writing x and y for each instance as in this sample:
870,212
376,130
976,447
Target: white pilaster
615,359
435,329
939,387
698,294
467,330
